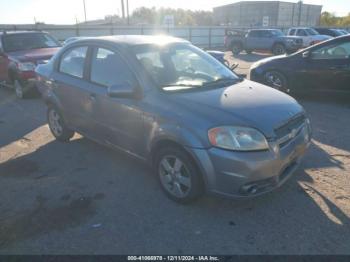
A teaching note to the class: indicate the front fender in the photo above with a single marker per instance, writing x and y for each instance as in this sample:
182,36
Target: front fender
177,134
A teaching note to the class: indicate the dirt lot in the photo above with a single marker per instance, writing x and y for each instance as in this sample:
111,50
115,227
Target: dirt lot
80,198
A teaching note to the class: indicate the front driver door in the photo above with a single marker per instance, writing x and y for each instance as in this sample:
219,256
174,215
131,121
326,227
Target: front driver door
330,67
118,121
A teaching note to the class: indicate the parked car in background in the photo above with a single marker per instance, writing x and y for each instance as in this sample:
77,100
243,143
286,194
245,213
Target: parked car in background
73,38
220,56
322,67
328,31
169,103
309,35
263,39
343,31
20,53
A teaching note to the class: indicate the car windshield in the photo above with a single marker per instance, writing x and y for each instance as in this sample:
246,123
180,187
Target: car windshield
311,31
183,66
26,41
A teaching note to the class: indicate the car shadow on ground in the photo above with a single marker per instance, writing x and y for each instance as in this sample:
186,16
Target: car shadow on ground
15,119
80,182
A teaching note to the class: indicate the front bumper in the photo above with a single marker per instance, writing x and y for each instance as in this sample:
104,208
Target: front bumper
247,174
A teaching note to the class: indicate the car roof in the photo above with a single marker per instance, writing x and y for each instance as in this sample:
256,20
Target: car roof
135,39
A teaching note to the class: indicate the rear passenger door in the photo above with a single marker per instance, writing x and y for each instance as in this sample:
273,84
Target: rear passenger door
69,85
118,121
302,34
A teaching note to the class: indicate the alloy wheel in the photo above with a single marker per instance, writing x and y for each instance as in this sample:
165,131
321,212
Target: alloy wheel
274,80
55,123
174,176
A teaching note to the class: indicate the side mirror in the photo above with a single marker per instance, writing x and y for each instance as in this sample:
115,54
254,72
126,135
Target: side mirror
306,54
124,90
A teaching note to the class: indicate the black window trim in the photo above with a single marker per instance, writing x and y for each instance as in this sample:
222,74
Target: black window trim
58,65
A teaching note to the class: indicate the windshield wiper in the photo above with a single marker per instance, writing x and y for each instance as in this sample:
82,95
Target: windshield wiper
222,81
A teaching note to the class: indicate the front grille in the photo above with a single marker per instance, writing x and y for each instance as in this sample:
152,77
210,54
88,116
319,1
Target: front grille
283,132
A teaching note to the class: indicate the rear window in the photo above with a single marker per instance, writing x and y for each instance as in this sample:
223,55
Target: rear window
72,62
27,41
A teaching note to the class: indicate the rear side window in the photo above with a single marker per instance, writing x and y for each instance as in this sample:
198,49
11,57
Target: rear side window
108,68
72,62
292,32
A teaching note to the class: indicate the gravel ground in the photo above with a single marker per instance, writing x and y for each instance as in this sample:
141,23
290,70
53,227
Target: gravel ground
81,198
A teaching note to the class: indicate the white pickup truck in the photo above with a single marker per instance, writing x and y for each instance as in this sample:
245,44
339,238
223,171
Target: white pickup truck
309,35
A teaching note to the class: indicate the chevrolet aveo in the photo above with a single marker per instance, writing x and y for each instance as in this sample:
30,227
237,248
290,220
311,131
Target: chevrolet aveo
167,102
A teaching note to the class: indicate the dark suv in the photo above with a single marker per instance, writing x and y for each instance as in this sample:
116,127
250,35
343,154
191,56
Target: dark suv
20,53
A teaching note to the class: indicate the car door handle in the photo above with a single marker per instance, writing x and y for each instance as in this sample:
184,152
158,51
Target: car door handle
92,97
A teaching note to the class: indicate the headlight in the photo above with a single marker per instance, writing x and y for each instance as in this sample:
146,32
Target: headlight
237,138
26,66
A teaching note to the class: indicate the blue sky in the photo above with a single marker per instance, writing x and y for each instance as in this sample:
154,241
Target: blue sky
65,11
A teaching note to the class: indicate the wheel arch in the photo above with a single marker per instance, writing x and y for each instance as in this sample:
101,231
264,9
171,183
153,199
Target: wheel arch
167,142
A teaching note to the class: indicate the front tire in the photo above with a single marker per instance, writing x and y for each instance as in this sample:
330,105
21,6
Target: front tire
57,125
178,175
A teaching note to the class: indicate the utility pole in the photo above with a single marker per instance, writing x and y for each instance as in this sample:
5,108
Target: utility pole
84,10
123,9
127,11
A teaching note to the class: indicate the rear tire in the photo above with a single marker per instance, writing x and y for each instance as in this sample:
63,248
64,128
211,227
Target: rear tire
57,125
278,49
177,174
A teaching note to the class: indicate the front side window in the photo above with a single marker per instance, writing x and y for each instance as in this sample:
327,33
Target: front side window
72,61
255,34
277,33
109,68
182,66
311,31
27,41
335,51
301,32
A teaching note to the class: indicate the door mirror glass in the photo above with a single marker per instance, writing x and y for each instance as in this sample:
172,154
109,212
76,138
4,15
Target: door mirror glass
124,90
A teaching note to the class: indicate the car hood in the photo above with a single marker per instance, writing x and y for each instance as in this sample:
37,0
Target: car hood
246,103
33,55
268,59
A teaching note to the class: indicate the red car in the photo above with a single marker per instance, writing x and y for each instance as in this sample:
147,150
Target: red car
20,53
